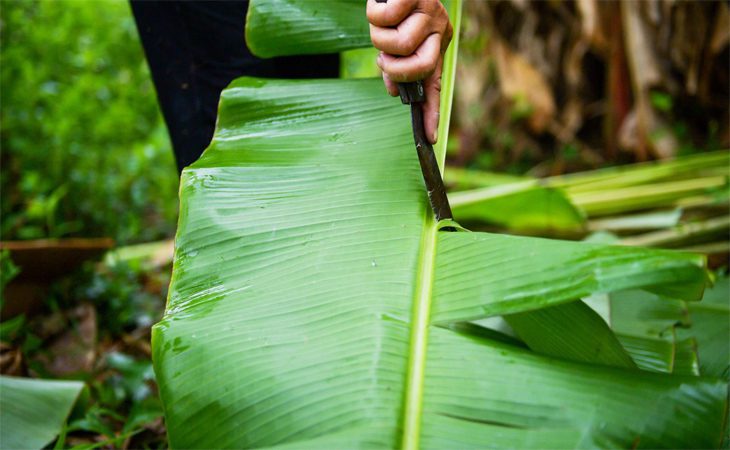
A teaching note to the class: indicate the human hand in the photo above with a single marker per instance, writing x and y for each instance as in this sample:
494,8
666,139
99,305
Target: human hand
412,36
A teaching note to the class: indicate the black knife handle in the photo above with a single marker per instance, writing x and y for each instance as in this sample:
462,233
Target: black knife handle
411,92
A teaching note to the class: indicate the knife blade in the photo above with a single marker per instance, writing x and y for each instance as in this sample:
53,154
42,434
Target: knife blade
412,93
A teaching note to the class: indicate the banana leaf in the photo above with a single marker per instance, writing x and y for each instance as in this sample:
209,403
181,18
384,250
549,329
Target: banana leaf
707,323
315,303
521,205
643,221
461,179
571,331
711,328
298,27
306,266
684,234
699,165
616,190
662,355
33,412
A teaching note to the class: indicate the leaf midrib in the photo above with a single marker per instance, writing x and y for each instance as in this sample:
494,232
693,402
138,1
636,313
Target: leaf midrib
413,405
419,336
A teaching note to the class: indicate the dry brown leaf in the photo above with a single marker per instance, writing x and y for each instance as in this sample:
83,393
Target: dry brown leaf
589,18
645,74
645,71
11,360
519,79
721,34
662,140
580,67
74,350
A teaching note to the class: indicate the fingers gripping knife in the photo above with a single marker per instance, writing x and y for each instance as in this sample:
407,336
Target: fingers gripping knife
413,94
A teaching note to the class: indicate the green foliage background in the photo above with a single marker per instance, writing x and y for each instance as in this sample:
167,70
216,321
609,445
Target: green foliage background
84,147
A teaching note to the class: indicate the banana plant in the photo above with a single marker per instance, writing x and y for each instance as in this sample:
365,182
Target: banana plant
316,303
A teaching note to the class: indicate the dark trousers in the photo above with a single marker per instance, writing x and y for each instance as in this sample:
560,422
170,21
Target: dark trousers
194,50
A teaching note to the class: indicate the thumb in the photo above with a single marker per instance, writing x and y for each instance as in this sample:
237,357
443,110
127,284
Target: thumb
390,86
432,87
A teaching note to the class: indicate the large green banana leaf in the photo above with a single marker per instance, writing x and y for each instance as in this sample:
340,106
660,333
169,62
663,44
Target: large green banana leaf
313,298
33,412
306,266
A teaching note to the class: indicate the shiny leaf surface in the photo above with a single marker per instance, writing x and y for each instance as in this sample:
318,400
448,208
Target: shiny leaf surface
306,264
298,27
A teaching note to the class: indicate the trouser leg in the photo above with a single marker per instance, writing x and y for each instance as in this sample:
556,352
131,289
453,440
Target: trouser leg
194,50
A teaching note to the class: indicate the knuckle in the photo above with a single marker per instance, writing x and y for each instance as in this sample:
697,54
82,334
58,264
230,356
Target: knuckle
398,75
440,9
375,39
392,16
415,73
429,65
432,8
408,44
401,75
372,14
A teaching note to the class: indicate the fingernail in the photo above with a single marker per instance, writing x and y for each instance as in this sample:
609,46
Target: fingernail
435,136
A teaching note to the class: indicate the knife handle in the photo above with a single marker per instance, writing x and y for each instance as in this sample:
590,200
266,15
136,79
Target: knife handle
411,92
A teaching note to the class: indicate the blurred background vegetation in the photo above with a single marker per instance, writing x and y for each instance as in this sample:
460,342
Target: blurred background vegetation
549,87
84,148
85,153
543,89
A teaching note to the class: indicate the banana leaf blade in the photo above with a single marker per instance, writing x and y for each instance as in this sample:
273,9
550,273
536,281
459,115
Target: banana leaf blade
300,257
298,27
509,387
32,412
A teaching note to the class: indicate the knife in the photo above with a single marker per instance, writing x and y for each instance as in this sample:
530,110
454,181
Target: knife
412,93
